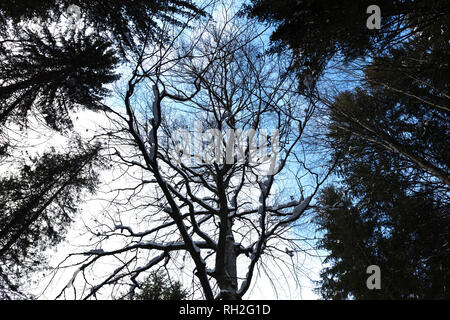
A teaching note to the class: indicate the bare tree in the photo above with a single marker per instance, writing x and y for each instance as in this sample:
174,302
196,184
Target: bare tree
218,212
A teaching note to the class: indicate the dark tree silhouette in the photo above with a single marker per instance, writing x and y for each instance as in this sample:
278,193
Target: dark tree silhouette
391,209
158,287
46,73
402,106
319,30
124,22
381,222
37,204
51,76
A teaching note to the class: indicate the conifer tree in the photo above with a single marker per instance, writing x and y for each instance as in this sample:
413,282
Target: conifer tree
391,206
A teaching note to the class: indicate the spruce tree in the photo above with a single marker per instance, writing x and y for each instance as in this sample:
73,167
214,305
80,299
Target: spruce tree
47,73
390,205
317,31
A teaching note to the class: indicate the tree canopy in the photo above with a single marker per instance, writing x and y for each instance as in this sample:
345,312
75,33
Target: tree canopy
315,31
158,287
391,206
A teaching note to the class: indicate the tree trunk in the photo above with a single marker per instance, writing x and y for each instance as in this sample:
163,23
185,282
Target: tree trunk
228,281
